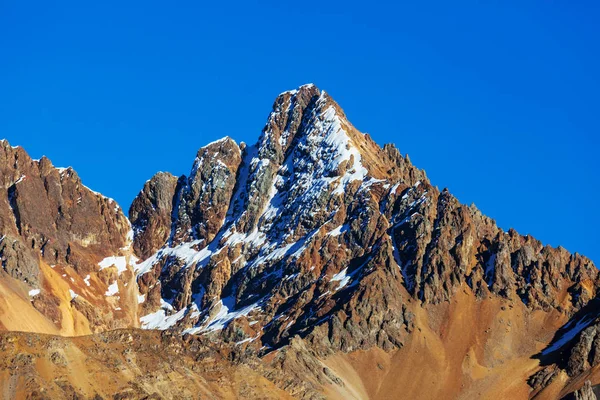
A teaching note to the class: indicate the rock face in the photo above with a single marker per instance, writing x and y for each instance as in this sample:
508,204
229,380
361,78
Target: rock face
54,214
317,231
150,214
574,352
585,393
54,232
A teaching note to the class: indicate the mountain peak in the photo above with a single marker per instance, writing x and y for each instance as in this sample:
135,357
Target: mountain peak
308,123
5,143
306,87
308,116
219,142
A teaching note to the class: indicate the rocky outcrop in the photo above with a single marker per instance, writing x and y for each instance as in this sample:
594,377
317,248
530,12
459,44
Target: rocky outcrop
151,214
19,261
543,378
585,393
202,203
585,353
48,217
54,213
574,352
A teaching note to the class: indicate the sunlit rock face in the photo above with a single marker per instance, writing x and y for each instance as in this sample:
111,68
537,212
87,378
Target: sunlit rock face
65,250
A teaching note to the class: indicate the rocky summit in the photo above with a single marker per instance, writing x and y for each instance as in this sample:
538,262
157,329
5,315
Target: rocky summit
313,264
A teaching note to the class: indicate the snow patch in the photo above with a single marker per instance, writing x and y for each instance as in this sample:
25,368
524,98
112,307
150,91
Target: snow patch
342,277
339,230
159,319
217,141
490,267
118,261
567,336
225,315
112,289
251,339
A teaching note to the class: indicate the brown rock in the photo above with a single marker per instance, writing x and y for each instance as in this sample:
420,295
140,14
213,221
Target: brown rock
151,214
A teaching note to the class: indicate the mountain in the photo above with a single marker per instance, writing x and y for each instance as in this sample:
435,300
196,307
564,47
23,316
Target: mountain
313,264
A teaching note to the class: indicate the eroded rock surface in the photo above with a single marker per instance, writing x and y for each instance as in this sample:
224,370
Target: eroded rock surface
54,233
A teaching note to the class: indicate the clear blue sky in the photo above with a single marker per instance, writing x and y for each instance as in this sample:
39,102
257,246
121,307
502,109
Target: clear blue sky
498,102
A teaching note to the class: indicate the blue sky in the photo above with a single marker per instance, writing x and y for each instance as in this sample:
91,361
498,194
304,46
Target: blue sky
498,102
